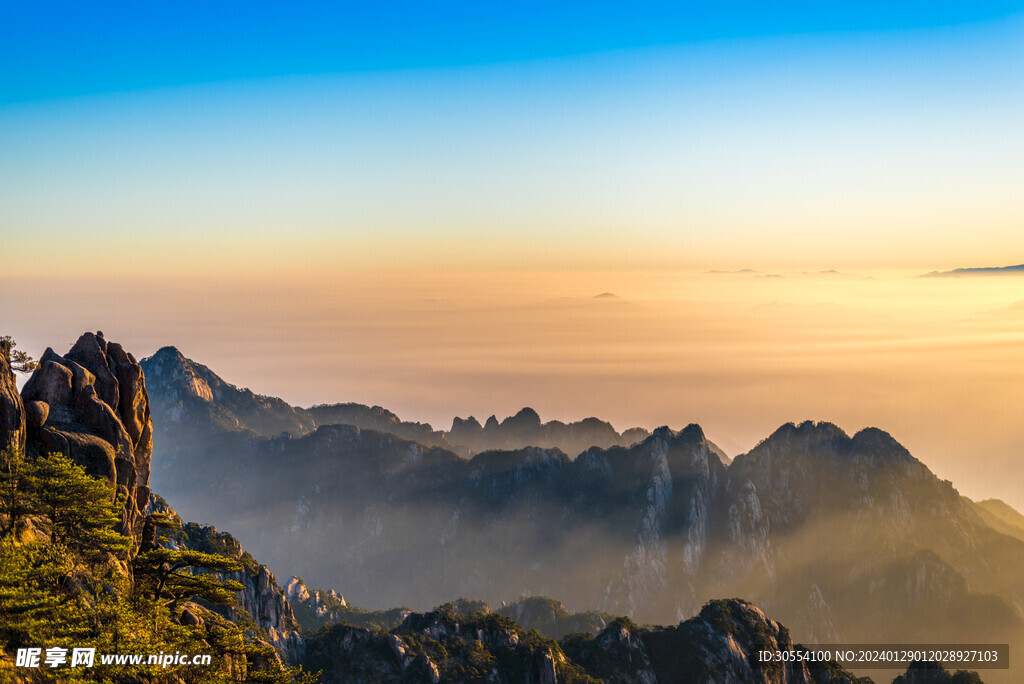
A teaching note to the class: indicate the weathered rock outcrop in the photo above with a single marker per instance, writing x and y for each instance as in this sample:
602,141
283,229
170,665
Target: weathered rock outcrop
551,618
380,419
192,399
822,529
719,645
615,655
12,411
264,600
929,672
189,395
261,597
315,608
525,429
439,646
91,404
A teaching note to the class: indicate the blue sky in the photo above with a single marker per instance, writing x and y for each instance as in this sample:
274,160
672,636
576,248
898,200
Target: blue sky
53,49
464,134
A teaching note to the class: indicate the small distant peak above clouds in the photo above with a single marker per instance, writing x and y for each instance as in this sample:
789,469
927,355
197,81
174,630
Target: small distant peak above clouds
606,301
742,270
983,271
828,273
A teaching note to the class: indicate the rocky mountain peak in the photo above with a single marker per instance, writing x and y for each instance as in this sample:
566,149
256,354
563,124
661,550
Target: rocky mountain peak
176,376
808,435
260,597
880,443
822,440
296,590
12,409
521,428
92,405
188,392
467,428
692,433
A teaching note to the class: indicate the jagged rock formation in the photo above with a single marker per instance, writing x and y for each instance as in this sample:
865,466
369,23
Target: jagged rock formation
316,608
873,532
191,399
720,645
440,646
830,532
927,672
380,419
459,514
261,598
844,538
447,645
525,429
91,404
551,618
12,410
190,395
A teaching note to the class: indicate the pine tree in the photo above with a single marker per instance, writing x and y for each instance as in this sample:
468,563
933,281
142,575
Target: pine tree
81,511
15,491
35,603
177,576
168,575
41,580
20,361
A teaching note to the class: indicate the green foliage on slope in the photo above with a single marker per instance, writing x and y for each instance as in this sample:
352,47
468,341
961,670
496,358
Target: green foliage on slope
67,580
442,645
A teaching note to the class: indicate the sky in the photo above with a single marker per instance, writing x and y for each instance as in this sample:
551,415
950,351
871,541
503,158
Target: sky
412,205
581,136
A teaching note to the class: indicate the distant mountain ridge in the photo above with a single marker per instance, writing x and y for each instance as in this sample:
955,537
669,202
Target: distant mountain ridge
982,271
721,644
260,598
843,538
881,547
1002,517
192,392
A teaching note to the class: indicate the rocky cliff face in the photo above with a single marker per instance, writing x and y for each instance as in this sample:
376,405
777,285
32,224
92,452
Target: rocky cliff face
825,530
265,602
91,404
475,527
315,608
261,598
720,645
191,398
842,537
525,429
12,410
440,646
551,618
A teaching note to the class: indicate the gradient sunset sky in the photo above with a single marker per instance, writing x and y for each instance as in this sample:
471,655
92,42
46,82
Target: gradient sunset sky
413,204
